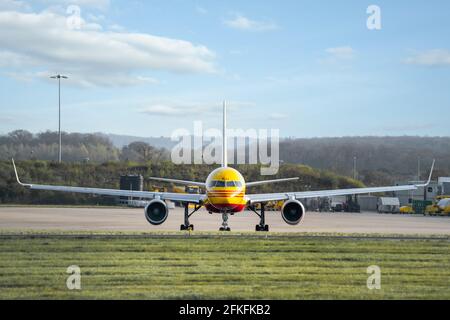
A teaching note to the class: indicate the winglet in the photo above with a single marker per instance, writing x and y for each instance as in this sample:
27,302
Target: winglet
17,175
429,178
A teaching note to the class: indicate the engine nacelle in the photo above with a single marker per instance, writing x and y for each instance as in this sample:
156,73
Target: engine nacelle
293,212
156,212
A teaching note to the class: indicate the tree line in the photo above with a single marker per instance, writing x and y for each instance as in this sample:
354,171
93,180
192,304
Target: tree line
76,147
379,160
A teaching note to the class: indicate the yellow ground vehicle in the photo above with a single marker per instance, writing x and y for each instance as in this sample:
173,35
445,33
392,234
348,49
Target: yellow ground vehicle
432,210
271,206
186,189
439,198
407,210
446,211
158,189
441,207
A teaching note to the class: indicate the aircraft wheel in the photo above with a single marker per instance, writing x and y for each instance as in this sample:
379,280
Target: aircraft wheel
182,227
262,228
191,227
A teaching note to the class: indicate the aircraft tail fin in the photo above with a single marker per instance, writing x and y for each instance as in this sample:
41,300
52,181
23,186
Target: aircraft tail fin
224,137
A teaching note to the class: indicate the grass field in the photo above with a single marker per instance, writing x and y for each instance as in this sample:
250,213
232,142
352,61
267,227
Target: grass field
222,267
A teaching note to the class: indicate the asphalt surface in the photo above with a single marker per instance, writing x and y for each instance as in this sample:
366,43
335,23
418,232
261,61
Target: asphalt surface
124,219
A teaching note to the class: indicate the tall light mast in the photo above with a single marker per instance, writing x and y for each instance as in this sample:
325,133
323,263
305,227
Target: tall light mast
59,77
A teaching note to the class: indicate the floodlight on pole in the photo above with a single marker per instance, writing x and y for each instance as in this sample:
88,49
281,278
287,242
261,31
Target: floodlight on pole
59,77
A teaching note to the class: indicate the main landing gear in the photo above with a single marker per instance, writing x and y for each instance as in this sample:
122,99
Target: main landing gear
262,226
224,226
187,226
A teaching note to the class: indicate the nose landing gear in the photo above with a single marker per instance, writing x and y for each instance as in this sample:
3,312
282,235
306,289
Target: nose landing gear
224,226
262,228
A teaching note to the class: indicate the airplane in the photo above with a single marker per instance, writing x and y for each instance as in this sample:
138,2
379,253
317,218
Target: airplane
225,194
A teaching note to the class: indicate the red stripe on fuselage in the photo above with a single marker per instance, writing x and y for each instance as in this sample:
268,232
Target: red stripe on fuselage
218,208
231,196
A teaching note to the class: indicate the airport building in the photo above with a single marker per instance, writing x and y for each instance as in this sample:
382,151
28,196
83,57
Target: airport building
441,187
130,182
368,203
444,185
424,193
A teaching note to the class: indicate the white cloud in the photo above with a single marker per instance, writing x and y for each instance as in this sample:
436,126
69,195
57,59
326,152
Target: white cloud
14,5
91,55
166,110
277,116
341,52
435,57
183,109
117,28
177,110
14,60
96,4
96,18
53,5
243,23
88,80
108,80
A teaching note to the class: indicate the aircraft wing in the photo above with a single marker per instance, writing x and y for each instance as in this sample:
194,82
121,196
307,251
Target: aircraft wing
259,183
182,182
256,198
192,198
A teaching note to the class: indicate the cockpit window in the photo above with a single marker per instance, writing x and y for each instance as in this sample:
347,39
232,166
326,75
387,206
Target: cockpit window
219,184
222,184
231,184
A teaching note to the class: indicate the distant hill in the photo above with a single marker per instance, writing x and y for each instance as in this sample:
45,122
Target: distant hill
76,147
389,158
119,141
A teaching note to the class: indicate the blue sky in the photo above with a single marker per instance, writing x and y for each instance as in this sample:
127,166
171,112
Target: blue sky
146,68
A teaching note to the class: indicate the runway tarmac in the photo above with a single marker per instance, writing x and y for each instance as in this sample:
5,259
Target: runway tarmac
124,219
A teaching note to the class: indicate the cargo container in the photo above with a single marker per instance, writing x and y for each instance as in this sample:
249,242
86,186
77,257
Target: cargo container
388,205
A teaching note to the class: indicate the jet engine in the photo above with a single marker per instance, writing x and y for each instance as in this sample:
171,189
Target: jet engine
156,212
293,212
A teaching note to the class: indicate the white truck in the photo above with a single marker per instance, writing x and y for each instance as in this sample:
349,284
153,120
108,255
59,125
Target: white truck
388,205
